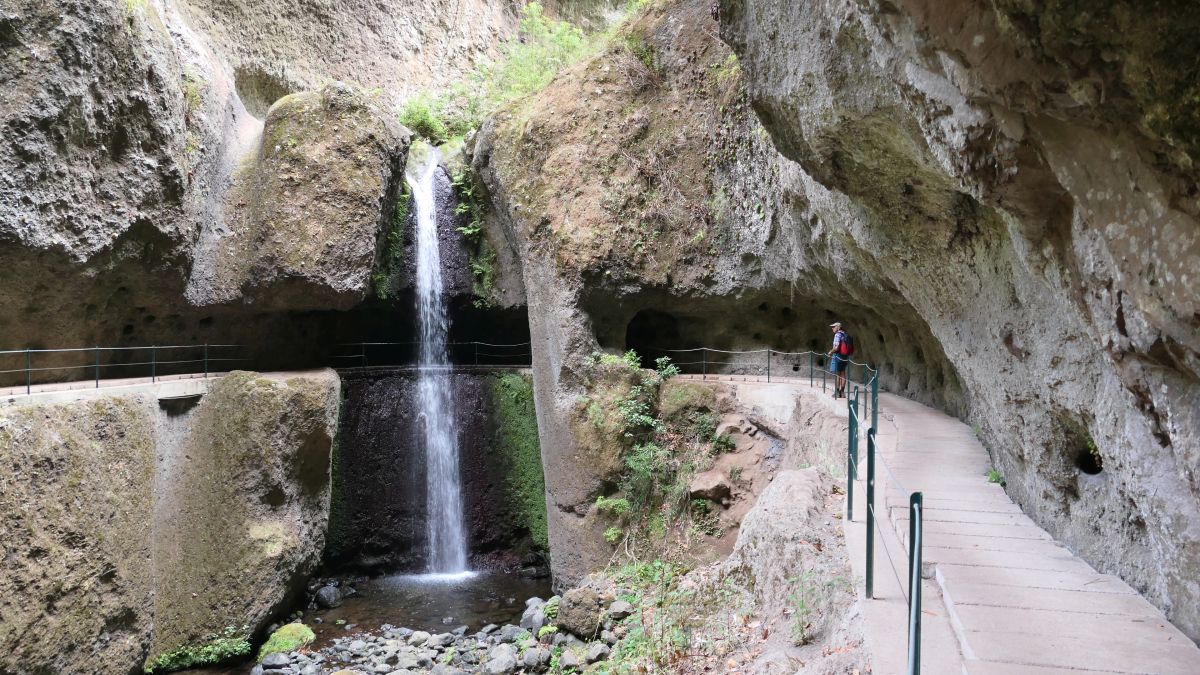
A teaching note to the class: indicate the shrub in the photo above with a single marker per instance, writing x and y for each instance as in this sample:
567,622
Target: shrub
613,534
616,506
421,115
218,648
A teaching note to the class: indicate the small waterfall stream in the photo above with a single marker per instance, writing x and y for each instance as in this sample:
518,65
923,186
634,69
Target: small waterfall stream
447,536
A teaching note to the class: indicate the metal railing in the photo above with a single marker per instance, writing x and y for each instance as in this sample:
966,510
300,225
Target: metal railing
492,355
915,529
51,366
777,366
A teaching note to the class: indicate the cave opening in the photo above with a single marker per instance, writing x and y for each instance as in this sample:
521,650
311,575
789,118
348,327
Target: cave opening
1088,459
650,332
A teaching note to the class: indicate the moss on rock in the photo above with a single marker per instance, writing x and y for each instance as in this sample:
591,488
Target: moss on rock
288,638
516,441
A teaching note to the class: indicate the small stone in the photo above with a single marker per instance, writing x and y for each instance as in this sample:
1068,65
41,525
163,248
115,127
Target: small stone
597,652
329,597
620,609
570,659
447,620
418,638
533,619
534,602
489,629
461,630
510,633
443,669
608,637
276,661
535,658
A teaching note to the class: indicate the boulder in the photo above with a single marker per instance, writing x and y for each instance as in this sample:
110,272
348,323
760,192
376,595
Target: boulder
620,609
597,652
329,597
711,485
579,612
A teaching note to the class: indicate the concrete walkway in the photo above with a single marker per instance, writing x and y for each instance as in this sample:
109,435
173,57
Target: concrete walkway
1001,595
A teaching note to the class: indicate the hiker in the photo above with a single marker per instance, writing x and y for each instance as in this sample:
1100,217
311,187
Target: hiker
839,357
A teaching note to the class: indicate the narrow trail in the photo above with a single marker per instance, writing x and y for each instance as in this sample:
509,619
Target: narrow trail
1000,594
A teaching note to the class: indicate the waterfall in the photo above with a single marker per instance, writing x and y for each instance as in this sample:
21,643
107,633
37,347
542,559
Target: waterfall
447,538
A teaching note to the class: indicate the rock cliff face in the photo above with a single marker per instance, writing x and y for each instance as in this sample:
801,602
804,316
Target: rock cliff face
1000,202
1024,178
132,530
138,181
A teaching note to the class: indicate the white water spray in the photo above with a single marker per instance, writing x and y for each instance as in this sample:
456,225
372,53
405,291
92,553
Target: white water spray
447,538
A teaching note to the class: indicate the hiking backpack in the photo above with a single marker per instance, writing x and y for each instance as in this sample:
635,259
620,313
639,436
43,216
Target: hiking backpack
846,348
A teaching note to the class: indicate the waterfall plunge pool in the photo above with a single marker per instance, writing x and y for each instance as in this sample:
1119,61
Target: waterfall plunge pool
426,601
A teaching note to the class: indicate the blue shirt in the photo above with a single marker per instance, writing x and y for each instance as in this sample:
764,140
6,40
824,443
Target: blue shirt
837,341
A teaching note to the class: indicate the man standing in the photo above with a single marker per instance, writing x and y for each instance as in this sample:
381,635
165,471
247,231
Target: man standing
838,359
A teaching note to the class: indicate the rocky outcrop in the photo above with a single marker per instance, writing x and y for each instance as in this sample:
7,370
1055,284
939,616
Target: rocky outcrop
306,216
140,200
1012,252
132,530
1014,174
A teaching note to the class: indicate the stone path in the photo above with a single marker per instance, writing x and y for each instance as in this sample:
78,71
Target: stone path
1001,595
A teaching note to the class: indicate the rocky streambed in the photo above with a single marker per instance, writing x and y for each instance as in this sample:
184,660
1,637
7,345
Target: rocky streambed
589,625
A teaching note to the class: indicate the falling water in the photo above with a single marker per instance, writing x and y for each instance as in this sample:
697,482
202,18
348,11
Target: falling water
447,540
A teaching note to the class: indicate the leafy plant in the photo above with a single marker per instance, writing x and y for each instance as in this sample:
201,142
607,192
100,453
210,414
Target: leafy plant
665,368
616,506
550,609
994,476
613,534
545,631
724,443
217,648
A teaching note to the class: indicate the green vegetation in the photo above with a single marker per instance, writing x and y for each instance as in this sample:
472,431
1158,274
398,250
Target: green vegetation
550,609
659,452
527,63
288,638
387,278
995,476
614,506
516,441
546,630
229,644
472,208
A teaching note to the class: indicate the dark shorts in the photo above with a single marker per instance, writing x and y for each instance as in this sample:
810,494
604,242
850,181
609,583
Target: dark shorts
837,363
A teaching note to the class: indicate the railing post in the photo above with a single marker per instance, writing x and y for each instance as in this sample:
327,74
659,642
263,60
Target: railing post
810,369
871,513
915,503
875,400
28,372
97,355
823,369
768,366
704,363
362,353
476,353
153,362
206,360
853,433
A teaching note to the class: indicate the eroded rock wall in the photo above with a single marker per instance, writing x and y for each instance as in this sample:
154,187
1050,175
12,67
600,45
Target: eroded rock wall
142,203
1025,179
650,210
132,529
